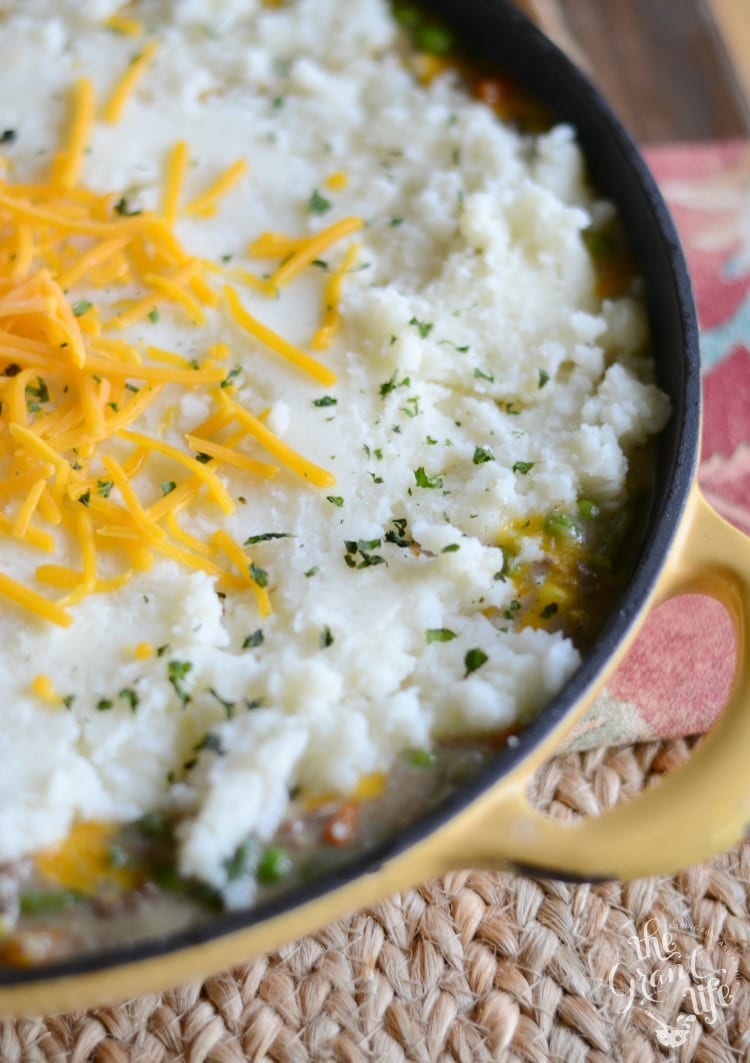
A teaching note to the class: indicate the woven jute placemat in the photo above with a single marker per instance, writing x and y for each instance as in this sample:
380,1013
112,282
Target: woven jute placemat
476,966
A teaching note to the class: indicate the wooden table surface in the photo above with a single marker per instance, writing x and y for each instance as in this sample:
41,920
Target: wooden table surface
672,69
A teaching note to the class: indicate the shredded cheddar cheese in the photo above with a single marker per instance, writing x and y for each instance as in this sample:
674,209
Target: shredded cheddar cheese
70,386
331,315
236,554
34,602
231,457
312,249
127,84
71,159
274,342
176,167
280,450
124,24
205,204
143,307
89,261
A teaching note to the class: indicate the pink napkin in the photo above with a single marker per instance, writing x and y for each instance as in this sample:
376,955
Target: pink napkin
676,677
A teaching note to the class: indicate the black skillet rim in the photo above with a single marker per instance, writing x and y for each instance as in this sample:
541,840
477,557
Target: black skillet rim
501,33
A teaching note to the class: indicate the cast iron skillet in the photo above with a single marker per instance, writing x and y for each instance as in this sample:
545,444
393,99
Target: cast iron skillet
488,822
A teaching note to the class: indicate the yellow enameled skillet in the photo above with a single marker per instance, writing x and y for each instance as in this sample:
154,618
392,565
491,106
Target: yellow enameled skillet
699,810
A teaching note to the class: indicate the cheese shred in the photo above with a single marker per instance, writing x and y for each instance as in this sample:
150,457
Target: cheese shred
120,23
127,84
71,159
276,343
70,387
205,204
332,298
178,160
312,249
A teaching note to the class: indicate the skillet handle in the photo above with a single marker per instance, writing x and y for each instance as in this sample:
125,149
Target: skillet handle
700,809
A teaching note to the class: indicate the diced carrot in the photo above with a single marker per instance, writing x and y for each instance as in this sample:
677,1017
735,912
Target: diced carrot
341,827
492,90
28,948
499,739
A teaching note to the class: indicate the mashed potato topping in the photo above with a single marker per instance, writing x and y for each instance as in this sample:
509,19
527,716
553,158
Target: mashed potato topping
305,338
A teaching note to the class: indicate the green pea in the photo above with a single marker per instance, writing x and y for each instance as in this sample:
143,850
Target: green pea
154,826
588,509
599,244
433,39
167,877
613,539
239,862
561,527
408,15
274,865
47,902
422,758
